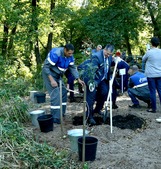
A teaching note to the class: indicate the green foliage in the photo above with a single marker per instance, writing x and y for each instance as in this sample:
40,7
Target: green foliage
37,81
18,79
79,58
88,72
112,24
16,86
13,108
19,150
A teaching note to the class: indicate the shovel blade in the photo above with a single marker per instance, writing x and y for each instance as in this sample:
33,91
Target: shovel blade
106,115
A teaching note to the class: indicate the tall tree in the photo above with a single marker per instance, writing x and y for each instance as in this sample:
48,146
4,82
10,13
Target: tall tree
35,28
50,36
154,9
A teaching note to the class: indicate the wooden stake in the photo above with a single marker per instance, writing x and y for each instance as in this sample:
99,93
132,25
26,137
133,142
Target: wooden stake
61,110
84,123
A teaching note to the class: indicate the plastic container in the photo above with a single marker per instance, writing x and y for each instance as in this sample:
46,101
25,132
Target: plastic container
32,96
90,148
34,115
73,135
46,122
40,97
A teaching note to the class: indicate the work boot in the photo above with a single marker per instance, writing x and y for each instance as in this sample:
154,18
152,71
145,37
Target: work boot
151,111
98,112
114,106
134,106
57,121
101,113
149,105
72,99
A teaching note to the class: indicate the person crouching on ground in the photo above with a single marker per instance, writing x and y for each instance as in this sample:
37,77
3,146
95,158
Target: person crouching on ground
138,87
58,60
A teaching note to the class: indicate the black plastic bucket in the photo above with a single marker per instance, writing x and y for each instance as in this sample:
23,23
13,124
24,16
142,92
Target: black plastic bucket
90,148
46,123
40,97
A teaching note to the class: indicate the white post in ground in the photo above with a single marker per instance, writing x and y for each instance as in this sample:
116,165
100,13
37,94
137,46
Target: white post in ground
110,84
110,93
122,72
61,110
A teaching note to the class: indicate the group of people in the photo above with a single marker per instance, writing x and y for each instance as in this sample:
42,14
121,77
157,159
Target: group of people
139,85
70,78
143,85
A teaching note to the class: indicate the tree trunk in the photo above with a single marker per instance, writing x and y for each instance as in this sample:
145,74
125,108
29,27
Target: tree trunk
49,43
10,45
156,30
4,41
34,22
37,53
50,36
128,45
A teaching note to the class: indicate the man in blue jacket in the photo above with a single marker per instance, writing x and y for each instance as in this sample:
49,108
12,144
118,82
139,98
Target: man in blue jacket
96,76
138,87
122,65
57,62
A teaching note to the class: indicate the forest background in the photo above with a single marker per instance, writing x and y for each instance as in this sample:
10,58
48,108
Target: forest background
30,28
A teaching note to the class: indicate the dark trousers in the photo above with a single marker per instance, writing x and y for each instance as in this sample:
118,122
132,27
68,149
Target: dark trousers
71,87
141,93
70,81
154,84
54,93
99,95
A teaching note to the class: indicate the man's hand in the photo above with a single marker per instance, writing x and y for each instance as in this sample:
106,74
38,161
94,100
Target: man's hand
81,82
53,82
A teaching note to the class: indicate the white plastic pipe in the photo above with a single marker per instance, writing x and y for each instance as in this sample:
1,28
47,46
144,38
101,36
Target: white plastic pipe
109,97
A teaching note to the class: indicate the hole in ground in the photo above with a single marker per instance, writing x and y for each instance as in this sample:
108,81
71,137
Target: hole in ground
124,122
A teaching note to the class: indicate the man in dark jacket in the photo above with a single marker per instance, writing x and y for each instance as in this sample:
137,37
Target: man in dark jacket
57,62
96,76
138,87
122,65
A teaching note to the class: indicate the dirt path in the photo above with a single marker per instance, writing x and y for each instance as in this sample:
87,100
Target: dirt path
121,149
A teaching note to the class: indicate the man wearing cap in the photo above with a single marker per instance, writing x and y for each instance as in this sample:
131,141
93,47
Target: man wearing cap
98,86
138,87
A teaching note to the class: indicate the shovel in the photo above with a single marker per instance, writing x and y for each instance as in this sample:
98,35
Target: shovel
106,114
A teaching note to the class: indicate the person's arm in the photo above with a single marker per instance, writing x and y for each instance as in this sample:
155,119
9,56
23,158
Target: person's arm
48,64
73,70
130,84
145,57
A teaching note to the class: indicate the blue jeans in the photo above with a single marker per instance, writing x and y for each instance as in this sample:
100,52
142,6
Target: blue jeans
154,84
132,95
141,93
